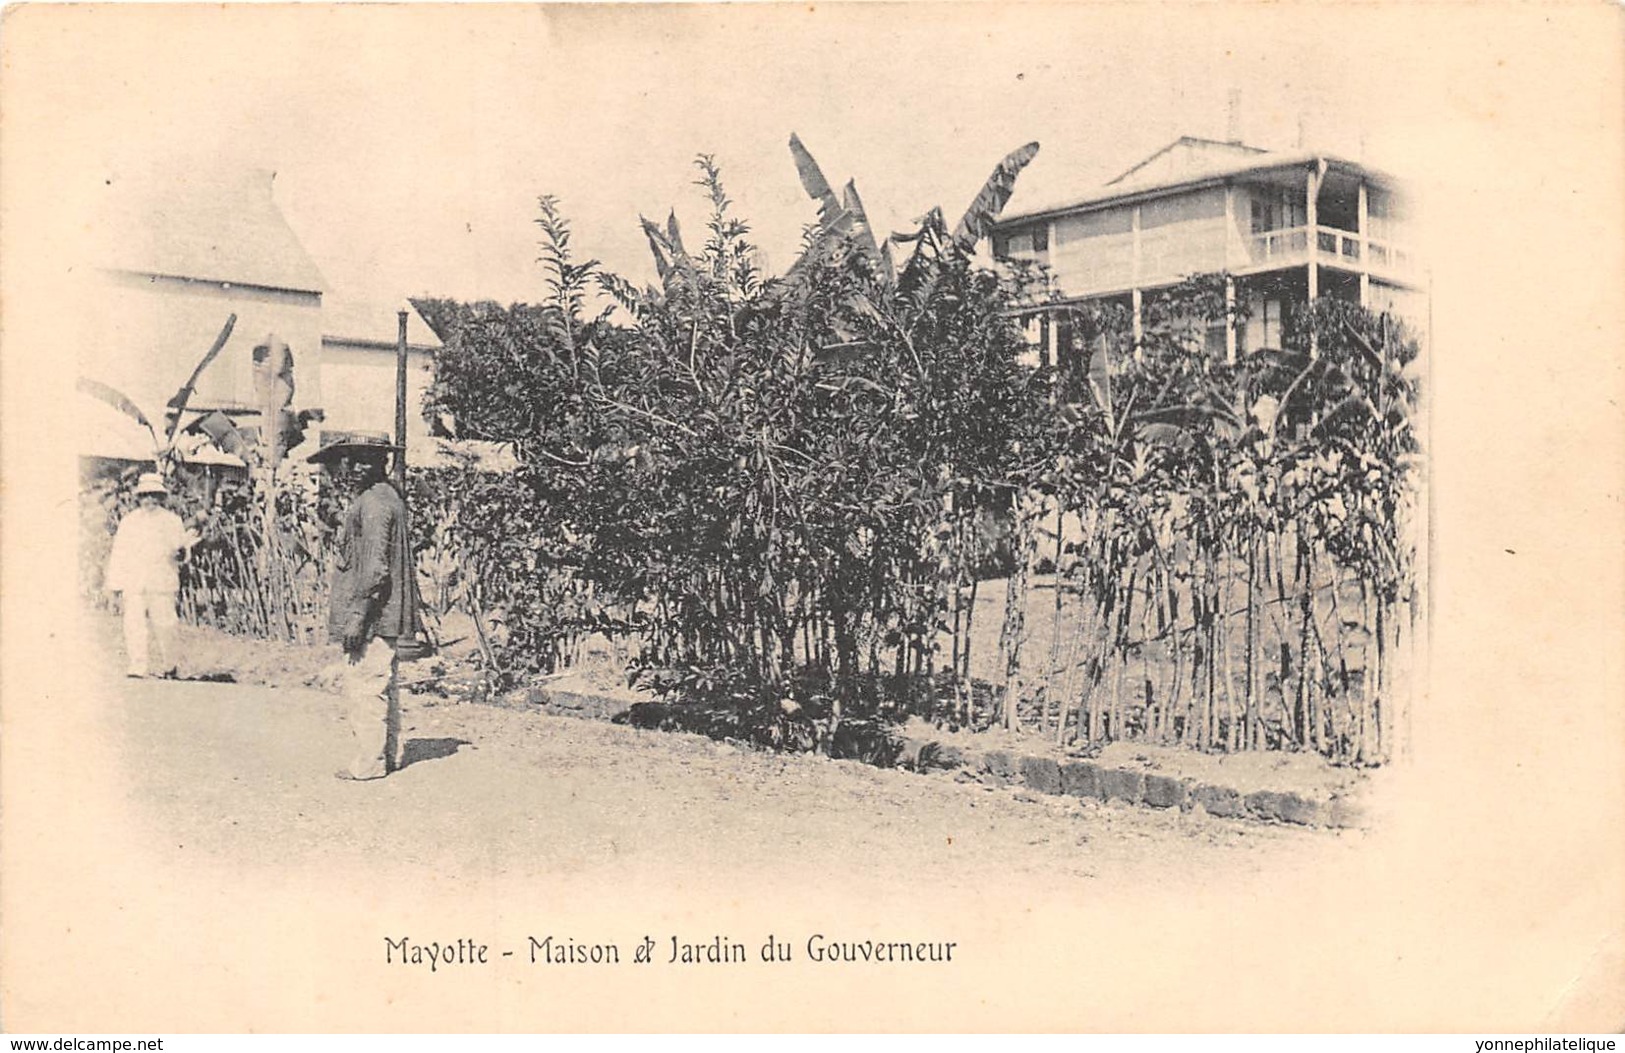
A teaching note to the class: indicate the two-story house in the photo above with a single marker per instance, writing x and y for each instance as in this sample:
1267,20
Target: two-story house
1285,227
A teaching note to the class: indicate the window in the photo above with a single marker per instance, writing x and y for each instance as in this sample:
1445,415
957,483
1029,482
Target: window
1021,242
1277,208
1264,326
1385,215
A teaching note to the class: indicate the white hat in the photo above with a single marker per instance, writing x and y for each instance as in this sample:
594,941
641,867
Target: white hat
151,483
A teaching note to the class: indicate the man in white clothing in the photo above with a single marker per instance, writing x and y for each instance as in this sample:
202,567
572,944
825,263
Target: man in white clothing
142,567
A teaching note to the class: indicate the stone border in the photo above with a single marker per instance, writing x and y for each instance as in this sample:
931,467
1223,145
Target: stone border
1097,782
581,704
1081,778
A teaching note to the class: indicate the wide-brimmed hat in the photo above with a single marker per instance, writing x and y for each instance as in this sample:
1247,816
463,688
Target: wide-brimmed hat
335,444
150,483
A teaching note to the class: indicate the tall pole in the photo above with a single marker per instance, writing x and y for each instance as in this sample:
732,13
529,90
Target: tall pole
400,406
1317,173
400,471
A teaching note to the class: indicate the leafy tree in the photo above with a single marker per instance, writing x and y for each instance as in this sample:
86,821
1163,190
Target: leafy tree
762,476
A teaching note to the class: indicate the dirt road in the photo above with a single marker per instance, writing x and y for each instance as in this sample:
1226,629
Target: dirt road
194,863
245,773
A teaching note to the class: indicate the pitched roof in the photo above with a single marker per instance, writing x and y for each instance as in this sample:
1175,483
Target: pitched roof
212,226
1163,173
1185,155
377,325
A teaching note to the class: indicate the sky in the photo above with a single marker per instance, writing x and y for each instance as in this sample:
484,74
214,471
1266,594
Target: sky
411,143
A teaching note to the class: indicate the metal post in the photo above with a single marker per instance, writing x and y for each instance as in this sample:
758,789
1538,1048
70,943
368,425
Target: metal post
400,406
1136,302
1311,213
1134,294
1232,256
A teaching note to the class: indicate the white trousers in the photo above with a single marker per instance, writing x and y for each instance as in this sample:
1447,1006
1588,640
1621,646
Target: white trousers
373,707
152,612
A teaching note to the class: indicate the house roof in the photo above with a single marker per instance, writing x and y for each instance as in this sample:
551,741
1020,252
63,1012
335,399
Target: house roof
375,325
1185,164
1184,155
219,226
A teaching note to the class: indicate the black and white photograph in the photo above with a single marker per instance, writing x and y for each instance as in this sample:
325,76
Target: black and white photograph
938,517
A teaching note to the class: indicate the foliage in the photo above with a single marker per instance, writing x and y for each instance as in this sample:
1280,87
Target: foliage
1263,505
765,478
239,577
785,488
786,491
485,544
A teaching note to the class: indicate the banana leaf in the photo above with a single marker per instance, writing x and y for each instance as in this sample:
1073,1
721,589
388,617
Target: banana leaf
995,194
666,245
830,213
674,235
221,430
177,405
117,400
657,247
861,231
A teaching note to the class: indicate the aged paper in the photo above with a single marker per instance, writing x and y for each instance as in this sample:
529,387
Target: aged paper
1489,894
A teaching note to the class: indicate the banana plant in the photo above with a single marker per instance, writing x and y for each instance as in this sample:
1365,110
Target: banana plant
163,451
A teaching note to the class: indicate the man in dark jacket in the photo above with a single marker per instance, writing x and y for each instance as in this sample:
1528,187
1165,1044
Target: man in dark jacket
373,602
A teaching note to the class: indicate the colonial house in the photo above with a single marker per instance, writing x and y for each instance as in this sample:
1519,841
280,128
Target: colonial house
1284,227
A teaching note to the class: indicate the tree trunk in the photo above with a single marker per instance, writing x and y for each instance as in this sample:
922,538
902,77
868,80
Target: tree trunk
1055,634
1377,707
1252,736
970,625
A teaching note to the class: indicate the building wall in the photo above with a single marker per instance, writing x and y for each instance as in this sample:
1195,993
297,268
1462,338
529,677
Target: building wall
1182,234
1193,233
1254,227
1093,250
358,382
144,335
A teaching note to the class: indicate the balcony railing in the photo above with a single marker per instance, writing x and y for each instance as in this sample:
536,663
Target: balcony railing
1290,245
1385,256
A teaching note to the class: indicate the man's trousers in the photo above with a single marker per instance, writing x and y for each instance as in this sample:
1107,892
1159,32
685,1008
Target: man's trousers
154,611
374,708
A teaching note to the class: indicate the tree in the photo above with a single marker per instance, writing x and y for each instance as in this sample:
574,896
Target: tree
760,475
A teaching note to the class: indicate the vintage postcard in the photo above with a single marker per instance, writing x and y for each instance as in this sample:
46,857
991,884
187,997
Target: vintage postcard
812,518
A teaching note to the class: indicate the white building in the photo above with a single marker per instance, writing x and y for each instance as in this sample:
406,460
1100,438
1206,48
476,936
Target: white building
175,261
1286,227
358,356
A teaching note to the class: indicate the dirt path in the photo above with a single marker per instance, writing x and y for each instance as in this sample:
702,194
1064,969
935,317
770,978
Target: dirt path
193,861
245,773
